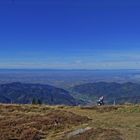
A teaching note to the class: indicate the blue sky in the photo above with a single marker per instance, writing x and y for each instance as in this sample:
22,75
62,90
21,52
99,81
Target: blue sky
70,34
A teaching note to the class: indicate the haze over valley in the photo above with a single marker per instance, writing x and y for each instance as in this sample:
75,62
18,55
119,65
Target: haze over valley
67,78
69,87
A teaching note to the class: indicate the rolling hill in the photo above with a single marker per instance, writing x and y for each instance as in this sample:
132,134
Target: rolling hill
120,93
35,122
25,93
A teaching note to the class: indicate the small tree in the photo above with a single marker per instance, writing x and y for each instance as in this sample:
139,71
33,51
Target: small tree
34,101
39,102
52,100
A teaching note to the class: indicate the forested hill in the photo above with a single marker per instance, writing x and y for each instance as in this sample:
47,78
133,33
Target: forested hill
120,93
81,94
26,93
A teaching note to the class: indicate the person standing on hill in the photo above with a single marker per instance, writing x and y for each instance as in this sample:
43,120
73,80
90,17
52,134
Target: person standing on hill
101,101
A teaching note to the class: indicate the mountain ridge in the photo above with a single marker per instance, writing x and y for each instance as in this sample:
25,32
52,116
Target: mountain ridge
24,93
118,92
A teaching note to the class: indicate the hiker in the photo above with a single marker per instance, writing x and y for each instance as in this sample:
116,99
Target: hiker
101,101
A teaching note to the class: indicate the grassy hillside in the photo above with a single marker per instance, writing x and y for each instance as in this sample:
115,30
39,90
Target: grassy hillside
31,122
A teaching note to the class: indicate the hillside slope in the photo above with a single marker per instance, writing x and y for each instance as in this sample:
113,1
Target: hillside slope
121,93
32,122
25,93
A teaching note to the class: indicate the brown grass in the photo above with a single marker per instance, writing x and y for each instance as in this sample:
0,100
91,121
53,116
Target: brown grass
30,122
101,109
17,124
125,119
98,134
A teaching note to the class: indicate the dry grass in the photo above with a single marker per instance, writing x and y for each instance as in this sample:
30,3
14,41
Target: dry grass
123,119
28,122
34,122
98,134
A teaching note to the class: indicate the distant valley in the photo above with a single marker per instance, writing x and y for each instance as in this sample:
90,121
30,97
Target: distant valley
69,87
84,94
68,78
